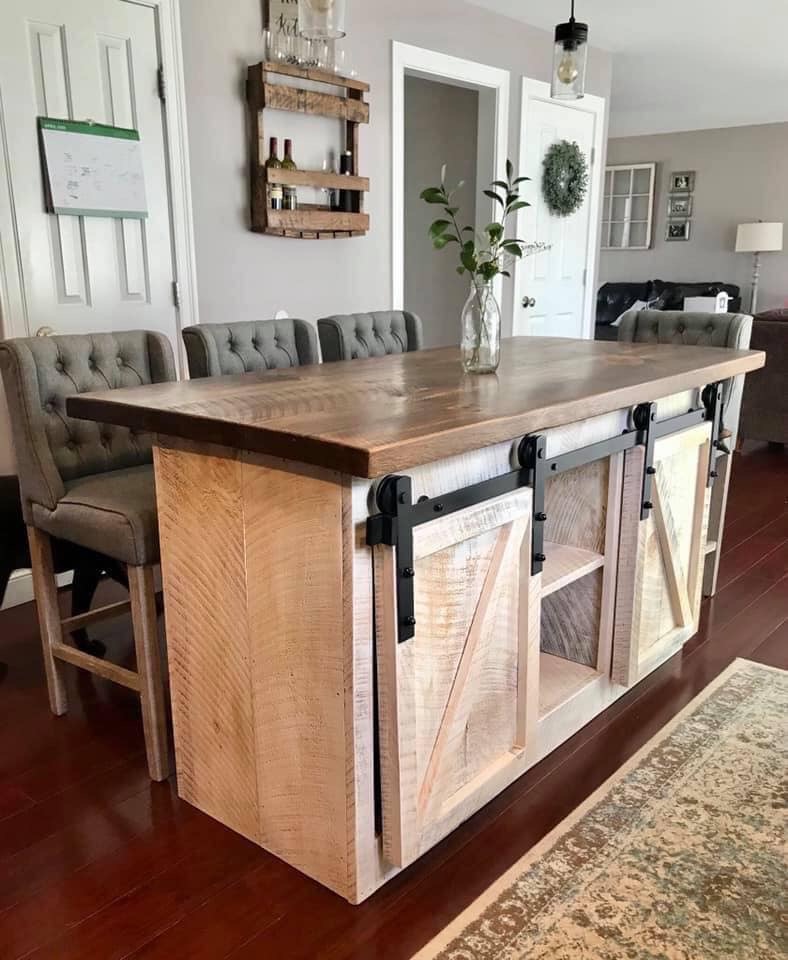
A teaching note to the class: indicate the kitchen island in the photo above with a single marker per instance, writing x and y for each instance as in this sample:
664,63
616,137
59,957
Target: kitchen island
390,588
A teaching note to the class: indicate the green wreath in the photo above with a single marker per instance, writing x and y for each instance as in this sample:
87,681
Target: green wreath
565,178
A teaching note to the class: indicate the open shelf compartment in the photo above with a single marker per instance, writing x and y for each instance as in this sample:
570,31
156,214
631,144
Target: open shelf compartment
578,581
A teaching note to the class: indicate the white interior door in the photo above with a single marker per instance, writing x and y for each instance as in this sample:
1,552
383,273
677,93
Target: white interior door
554,293
83,59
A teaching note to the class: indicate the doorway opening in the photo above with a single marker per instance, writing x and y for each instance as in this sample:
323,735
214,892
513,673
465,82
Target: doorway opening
453,111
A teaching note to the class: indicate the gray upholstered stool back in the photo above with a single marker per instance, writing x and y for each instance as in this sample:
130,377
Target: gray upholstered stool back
730,330
218,349
39,373
358,335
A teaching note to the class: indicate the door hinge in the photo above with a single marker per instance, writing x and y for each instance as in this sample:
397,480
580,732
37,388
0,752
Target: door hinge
161,85
176,294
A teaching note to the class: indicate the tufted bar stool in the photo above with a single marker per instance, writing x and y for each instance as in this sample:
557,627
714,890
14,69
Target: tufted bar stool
731,330
92,485
219,349
360,335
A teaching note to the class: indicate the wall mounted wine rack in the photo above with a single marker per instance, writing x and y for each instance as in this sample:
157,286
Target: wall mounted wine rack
308,222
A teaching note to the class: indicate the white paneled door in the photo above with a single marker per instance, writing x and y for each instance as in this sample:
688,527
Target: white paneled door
554,290
81,59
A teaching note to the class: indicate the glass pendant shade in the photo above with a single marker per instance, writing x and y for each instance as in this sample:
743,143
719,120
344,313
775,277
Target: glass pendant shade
321,19
569,60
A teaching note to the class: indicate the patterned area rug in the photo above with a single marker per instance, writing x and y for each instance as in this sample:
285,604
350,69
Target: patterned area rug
679,856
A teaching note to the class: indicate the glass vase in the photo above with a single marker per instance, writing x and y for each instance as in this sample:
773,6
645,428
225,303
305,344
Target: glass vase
481,330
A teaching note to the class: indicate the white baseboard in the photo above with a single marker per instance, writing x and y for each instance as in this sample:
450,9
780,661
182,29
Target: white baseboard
20,587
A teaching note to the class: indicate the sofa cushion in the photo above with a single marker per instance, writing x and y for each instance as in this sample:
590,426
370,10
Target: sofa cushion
780,315
113,513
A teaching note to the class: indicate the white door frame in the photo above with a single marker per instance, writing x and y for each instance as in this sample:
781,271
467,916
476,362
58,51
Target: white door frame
416,61
14,314
539,90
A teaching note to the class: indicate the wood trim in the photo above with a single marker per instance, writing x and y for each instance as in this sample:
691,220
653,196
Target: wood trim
316,219
626,624
317,178
70,624
100,668
675,576
295,100
610,575
317,76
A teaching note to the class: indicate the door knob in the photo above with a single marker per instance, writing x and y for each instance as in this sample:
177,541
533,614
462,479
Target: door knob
529,302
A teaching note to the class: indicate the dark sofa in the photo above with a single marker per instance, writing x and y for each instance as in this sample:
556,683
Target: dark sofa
613,299
764,411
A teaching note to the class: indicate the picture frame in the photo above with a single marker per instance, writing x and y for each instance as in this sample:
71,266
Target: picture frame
683,181
678,230
680,206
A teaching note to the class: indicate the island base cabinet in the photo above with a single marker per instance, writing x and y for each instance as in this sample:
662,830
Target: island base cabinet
455,712
661,557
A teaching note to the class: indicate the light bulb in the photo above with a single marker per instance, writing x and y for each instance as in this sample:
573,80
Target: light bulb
567,69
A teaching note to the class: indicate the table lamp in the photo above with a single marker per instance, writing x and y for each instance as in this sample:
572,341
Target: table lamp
758,238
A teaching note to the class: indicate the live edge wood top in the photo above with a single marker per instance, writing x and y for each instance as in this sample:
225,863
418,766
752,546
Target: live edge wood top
372,417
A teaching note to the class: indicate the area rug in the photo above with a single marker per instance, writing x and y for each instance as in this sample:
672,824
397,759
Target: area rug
681,855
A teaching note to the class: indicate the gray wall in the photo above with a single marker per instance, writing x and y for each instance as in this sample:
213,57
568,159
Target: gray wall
741,176
243,275
441,123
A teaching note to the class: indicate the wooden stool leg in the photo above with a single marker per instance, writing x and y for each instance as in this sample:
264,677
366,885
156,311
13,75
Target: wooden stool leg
149,667
45,588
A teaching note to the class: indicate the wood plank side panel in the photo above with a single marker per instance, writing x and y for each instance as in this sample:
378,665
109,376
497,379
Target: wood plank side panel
297,629
201,522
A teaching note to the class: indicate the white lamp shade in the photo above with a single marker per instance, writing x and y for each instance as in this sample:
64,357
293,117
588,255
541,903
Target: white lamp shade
759,237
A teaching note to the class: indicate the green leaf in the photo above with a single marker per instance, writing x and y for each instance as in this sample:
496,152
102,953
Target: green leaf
440,242
513,248
467,230
494,196
468,260
518,206
505,273
461,270
433,195
452,211
495,231
509,169
500,183
443,174
520,180
438,227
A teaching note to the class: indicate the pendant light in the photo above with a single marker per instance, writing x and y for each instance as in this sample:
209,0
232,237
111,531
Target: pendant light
321,19
569,59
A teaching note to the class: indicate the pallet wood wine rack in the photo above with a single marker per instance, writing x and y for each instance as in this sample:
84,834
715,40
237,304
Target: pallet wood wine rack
308,222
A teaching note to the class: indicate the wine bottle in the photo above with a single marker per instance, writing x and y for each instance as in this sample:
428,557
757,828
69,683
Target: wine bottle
290,192
275,192
346,198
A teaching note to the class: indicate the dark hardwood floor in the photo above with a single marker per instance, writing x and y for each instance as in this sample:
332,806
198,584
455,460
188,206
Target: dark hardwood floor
98,862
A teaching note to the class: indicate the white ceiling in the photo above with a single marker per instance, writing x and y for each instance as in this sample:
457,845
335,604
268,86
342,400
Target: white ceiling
681,64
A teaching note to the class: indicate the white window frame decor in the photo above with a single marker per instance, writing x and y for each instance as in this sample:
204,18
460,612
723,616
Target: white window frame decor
607,206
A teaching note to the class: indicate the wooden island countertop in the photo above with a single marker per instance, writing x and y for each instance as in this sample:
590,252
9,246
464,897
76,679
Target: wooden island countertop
367,418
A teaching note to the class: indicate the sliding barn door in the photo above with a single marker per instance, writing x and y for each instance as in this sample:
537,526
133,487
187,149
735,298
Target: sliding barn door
452,699
661,558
